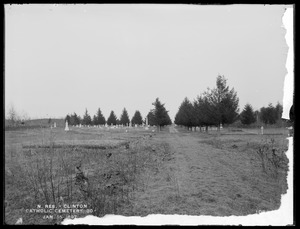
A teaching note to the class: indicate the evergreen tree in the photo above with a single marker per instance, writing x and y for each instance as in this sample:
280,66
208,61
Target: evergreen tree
279,110
79,119
206,110
95,120
124,120
225,102
87,120
74,119
161,115
186,114
112,119
151,118
98,119
68,118
268,115
137,118
247,116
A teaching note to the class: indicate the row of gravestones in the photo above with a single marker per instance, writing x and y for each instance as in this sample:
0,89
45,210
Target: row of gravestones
146,126
117,126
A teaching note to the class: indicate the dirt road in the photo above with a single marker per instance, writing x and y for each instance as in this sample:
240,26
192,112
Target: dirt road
212,181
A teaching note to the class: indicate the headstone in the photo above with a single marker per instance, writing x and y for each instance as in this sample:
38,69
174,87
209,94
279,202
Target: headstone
135,126
262,130
129,124
80,125
147,126
67,127
54,125
221,127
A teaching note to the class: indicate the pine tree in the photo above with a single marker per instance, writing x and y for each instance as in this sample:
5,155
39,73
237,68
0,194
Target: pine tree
161,115
112,119
124,120
248,116
137,118
206,110
74,119
279,110
223,102
151,118
68,118
186,114
99,119
95,120
87,120
268,115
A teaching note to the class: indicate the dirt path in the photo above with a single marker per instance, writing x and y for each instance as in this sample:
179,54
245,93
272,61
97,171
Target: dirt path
212,181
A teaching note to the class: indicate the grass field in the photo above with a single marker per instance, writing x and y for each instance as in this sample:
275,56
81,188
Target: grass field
139,172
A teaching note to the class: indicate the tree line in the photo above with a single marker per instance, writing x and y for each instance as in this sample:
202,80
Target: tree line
158,116
220,106
214,107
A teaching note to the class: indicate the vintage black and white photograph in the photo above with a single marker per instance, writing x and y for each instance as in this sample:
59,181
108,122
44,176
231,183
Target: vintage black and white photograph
147,112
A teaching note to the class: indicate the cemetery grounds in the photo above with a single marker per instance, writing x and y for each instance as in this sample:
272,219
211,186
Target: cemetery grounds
139,172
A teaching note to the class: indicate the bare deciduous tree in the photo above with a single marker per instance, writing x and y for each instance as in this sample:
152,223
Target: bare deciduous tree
12,115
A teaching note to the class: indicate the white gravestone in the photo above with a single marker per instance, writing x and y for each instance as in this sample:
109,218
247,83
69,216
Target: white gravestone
54,125
262,130
146,124
67,127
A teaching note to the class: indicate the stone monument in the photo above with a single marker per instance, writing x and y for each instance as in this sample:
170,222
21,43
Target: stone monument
146,128
67,127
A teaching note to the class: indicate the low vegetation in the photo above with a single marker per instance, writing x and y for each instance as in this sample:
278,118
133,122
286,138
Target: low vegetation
140,172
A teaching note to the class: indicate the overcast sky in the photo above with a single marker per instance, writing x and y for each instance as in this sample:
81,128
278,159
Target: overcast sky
61,59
